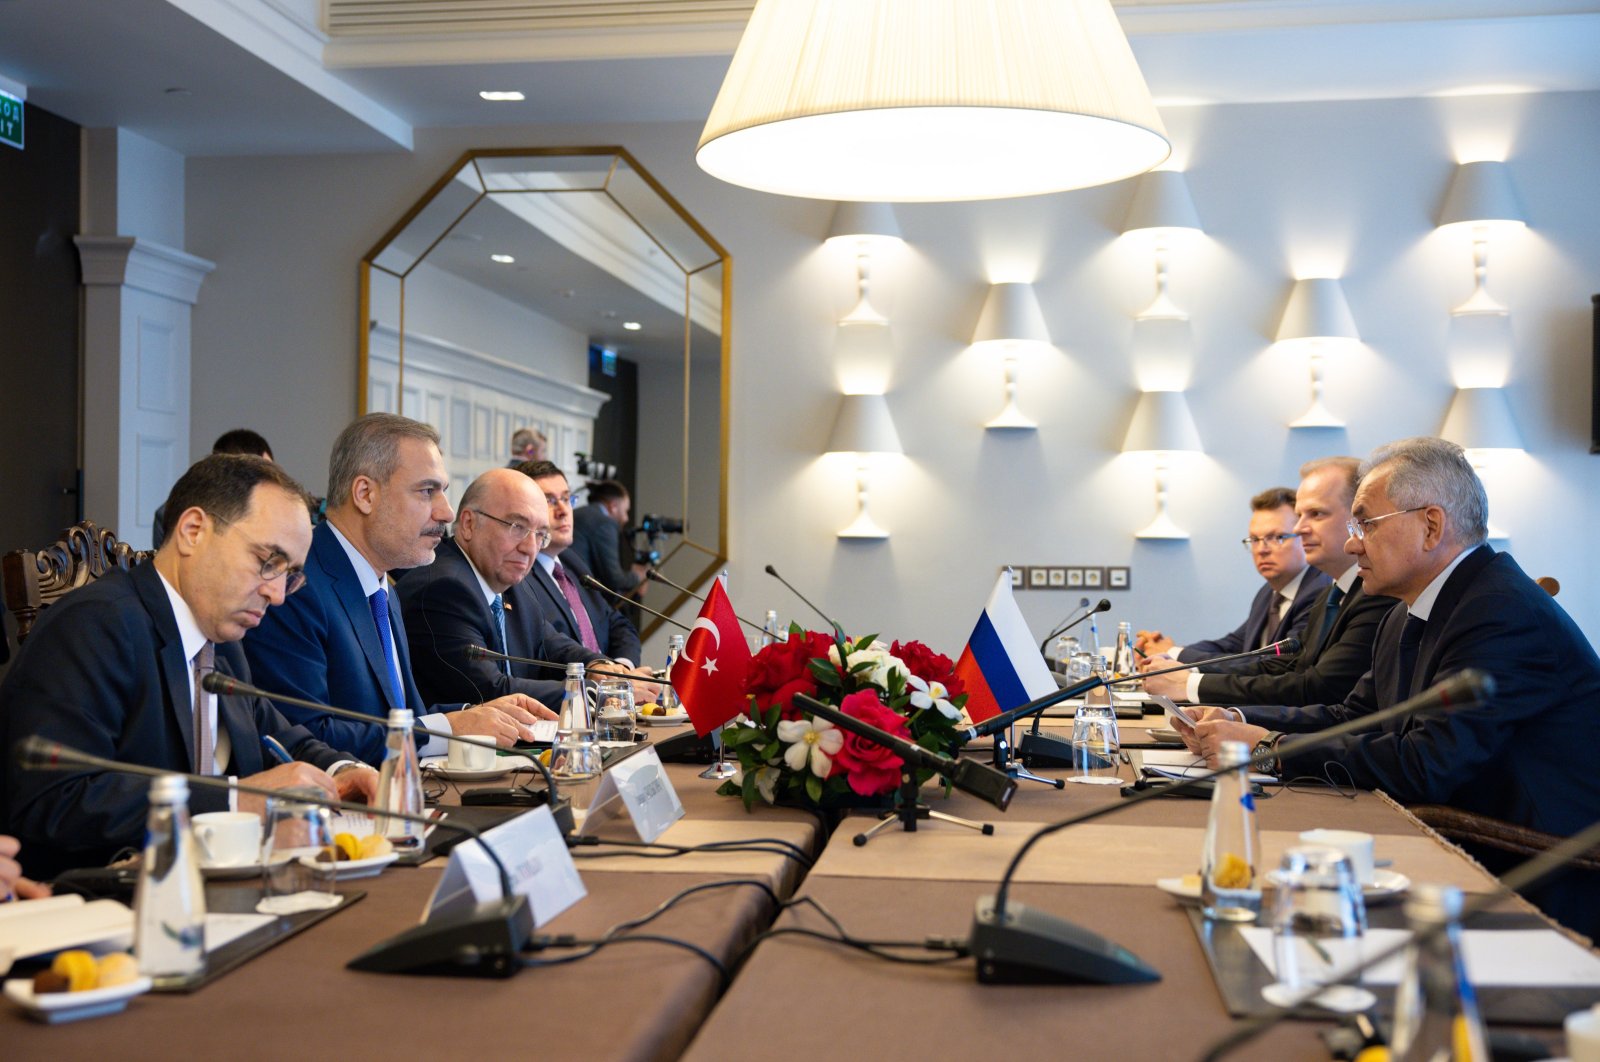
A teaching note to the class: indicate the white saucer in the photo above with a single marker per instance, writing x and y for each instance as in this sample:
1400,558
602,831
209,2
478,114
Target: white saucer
1342,999
230,873
1386,885
56,1007
1177,887
671,719
503,766
350,869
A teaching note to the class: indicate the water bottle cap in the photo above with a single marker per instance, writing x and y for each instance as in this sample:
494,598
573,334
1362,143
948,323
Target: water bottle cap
169,789
401,717
575,669
1433,903
1233,754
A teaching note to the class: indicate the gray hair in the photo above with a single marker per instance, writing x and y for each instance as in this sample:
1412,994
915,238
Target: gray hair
1424,470
370,446
1350,466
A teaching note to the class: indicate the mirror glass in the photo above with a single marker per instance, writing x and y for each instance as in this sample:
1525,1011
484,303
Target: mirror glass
563,289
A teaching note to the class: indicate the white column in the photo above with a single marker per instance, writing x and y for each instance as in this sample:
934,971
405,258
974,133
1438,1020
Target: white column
138,298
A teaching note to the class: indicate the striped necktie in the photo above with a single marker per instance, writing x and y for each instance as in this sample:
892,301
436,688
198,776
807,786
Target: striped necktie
497,608
205,739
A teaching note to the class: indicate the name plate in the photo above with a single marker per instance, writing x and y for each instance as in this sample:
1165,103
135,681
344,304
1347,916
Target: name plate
636,789
536,858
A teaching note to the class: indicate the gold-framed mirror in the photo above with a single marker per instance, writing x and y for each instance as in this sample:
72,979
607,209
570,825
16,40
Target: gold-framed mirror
525,275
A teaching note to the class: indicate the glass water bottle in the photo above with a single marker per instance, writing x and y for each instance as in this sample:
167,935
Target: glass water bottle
771,633
1230,886
1122,664
669,696
1435,1009
400,780
170,903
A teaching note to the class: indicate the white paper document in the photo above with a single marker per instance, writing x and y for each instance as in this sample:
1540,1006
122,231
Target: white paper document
1495,958
37,927
224,929
1181,763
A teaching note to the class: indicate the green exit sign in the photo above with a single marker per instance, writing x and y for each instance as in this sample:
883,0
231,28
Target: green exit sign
10,120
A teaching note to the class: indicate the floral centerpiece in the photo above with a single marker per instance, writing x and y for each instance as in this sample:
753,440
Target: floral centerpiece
785,754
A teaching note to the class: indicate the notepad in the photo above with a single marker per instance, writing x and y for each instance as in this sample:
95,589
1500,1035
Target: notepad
37,927
1495,958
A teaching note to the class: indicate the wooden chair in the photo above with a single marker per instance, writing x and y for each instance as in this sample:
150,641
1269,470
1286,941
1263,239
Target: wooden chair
83,554
1480,831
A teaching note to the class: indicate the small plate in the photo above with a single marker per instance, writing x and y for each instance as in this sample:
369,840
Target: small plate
670,719
57,1007
360,868
231,873
503,766
1387,885
1184,891
1342,999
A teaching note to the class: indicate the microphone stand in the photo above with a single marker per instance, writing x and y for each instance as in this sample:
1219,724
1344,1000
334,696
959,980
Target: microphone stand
968,775
838,631
1021,945
478,652
482,942
656,576
595,584
225,685
1103,606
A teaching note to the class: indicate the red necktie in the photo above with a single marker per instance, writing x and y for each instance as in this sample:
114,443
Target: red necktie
569,590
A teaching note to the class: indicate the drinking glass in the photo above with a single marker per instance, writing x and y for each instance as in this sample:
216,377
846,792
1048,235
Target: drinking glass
297,832
1095,746
615,716
1318,921
576,765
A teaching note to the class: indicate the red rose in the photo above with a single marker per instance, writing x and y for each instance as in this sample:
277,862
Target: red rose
783,669
929,666
870,768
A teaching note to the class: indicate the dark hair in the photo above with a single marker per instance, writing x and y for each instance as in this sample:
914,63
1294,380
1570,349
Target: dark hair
241,441
370,446
605,490
1272,498
540,469
221,484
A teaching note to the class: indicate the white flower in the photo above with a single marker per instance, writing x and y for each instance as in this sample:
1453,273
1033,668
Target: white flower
810,741
931,695
882,661
766,782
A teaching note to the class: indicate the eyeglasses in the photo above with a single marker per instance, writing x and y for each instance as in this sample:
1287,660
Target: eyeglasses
274,565
1359,529
554,500
1275,541
522,531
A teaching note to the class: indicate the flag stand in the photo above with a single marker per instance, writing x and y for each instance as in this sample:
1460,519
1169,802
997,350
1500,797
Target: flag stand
721,769
909,809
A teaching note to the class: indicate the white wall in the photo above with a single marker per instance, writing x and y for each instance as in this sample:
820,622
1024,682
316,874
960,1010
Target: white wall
1350,187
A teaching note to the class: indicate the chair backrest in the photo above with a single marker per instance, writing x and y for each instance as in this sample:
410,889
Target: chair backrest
34,580
1549,584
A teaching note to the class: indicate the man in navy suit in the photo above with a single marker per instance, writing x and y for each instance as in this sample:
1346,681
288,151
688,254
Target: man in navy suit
342,642
557,579
1280,610
1526,756
599,542
476,592
114,670
1336,646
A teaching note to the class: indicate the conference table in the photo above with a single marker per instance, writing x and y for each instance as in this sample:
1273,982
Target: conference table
795,997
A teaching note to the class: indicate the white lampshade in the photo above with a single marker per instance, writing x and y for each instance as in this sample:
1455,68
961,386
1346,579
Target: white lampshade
863,426
1162,423
1011,314
1317,310
1162,201
1480,419
1481,193
931,100
854,222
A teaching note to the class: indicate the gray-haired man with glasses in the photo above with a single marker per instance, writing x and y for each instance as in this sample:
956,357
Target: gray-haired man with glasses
475,593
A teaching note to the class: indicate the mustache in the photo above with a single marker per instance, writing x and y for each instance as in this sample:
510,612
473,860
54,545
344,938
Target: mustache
436,531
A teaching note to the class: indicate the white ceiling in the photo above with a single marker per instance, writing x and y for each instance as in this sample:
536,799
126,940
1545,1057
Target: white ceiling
268,76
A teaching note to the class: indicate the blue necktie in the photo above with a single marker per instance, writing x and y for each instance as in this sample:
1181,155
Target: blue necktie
498,608
380,615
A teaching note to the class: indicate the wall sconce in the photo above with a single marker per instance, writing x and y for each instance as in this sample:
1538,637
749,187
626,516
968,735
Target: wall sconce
1162,207
863,427
1162,425
1011,323
1318,318
1481,195
864,226
1480,422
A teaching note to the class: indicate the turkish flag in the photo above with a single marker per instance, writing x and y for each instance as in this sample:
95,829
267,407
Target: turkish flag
709,674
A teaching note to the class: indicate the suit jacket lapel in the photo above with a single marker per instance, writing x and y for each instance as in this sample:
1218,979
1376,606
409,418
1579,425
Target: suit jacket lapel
175,673
557,598
341,577
1260,612
1443,606
233,716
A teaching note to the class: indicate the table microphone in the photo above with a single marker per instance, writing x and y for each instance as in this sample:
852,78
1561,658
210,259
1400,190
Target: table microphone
838,631
482,942
658,577
1014,944
1103,606
969,776
226,685
595,584
478,652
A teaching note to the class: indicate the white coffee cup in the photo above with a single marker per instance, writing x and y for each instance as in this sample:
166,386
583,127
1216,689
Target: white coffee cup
464,756
1358,846
1583,1035
228,838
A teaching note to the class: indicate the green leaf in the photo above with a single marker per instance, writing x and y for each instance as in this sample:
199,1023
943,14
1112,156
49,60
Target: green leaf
750,793
771,750
770,720
824,672
865,665
813,787
862,643
795,629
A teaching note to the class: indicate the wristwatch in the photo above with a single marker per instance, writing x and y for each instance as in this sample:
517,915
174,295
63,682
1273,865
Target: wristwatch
1267,746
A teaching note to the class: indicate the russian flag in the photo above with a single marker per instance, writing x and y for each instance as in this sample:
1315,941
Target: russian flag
1001,666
